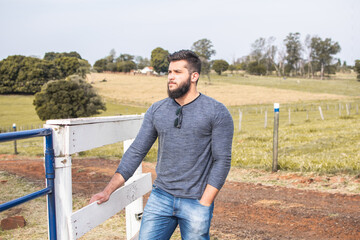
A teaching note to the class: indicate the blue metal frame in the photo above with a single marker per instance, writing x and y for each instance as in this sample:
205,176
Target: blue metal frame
49,174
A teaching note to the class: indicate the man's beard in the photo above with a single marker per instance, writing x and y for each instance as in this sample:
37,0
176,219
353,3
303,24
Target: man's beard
181,90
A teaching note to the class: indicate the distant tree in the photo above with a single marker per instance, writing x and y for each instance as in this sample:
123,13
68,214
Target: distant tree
293,50
125,66
159,60
67,66
256,68
232,68
125,58
258,50
220,66
142,62
204,48
322,51
67,99
51,56
357,69
100,65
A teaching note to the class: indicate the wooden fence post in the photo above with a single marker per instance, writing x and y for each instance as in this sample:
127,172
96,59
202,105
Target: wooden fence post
240,119
265,124
321,113
289,116
275,137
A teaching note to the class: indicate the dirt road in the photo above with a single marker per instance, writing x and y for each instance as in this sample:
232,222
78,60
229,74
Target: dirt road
242,210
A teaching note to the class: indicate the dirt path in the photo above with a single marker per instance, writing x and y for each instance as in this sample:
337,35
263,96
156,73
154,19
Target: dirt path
243,210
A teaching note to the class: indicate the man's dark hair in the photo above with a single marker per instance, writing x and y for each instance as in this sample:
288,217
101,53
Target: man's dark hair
193,60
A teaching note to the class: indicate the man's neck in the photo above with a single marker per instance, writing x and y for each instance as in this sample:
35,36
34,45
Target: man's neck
187,98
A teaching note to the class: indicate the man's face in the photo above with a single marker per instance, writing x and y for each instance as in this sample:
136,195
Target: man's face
179,79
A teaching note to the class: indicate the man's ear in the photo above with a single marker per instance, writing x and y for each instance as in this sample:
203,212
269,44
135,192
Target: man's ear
194,77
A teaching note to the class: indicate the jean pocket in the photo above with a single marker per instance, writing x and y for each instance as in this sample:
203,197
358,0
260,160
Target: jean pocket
198,201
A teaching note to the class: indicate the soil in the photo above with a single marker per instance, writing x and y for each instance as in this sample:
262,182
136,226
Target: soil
242,210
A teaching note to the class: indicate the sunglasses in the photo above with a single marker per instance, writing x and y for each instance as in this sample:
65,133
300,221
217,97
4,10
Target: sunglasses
178,120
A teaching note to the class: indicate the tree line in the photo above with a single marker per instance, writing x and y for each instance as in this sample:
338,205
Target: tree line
312,58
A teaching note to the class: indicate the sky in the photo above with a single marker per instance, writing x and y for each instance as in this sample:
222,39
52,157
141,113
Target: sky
94,27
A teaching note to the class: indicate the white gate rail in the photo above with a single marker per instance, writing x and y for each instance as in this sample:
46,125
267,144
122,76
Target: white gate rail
75,135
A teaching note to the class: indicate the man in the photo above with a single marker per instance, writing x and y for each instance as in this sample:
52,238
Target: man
194,154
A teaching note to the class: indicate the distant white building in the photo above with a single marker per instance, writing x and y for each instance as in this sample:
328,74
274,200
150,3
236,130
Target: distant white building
148,71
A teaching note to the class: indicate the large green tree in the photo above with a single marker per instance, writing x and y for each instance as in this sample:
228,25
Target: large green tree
67,99
220,66
26,75
159,60
322,51
293,50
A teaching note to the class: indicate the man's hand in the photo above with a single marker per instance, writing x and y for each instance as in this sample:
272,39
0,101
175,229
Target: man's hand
116,181
99,197
209,195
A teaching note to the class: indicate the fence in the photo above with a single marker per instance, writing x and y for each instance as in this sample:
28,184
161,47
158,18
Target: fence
49,173
249,117
71,136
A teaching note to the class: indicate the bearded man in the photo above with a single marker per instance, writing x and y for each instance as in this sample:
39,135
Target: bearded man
194,135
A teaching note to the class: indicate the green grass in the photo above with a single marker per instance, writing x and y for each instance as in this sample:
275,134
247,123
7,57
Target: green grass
306,143
341,86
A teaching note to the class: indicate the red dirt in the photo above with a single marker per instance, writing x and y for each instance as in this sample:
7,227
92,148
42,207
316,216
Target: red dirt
243,210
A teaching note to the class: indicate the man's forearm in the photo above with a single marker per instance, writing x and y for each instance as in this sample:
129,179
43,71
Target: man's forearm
116,181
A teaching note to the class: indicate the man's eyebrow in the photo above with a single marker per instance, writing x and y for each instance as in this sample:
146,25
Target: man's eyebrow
175,70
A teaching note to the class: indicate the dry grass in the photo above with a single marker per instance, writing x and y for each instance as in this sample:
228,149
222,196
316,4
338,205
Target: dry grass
145,90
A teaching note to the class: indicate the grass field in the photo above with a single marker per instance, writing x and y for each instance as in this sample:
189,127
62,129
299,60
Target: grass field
232,91
306,142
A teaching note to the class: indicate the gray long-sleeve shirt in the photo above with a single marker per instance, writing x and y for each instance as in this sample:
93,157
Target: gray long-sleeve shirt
190,157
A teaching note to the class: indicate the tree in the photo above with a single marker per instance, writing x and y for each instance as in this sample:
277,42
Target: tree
51,56
67,65
220,66
322,51
67,99
159,60
204,48
256,68
142,62
20,74
293,50
125,66
100,65
357,69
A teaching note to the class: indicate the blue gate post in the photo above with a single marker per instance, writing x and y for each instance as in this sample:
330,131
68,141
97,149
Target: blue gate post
50,176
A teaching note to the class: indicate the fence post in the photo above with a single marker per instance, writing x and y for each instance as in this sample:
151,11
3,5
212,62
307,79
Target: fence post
275,137
134,210
340,109
240,119
321,113
289,116
265,124
15,146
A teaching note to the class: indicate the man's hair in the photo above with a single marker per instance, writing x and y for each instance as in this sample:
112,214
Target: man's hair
193,60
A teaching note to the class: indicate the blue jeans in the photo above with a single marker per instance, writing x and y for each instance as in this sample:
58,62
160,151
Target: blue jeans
163,212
